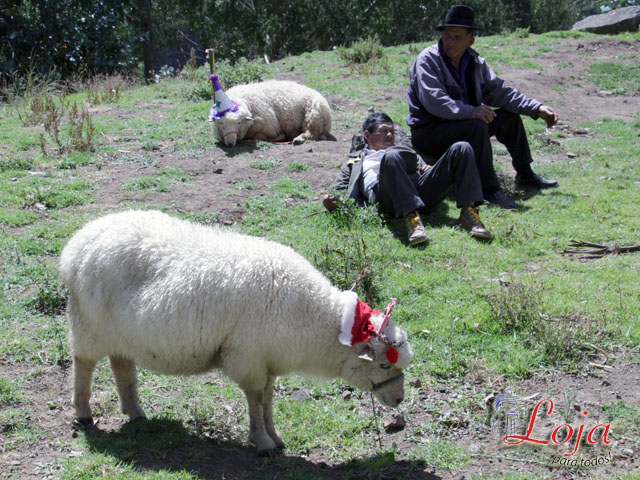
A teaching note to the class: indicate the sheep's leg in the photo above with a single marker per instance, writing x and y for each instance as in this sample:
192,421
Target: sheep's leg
257,430
268,413
124,371
303,137
82,375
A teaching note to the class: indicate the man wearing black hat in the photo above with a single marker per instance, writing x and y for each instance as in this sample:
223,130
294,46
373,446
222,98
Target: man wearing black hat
451,94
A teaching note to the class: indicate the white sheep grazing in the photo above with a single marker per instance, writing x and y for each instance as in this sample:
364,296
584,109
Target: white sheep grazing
181,298
274,111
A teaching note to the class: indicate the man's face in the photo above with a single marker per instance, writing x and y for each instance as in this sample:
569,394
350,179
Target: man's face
455,41
381,138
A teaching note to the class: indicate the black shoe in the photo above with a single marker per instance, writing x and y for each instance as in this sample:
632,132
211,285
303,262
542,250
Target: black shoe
535,181
500,198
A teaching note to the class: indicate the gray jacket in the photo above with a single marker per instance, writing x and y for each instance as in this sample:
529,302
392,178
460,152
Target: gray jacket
434,93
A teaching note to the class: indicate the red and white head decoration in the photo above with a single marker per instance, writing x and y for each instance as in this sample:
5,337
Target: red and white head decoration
357,325
223,102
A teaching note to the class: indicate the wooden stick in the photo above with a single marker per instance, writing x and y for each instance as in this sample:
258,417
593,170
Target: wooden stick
212,68
212,59
597,249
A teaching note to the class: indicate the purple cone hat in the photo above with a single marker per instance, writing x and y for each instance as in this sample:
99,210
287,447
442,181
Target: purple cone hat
223,103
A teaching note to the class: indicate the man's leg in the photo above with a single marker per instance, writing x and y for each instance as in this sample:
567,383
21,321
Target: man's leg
509,130
396,191
396,188
456,167
436,139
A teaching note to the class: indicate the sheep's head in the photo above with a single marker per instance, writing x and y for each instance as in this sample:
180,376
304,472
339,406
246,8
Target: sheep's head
233,126
377,363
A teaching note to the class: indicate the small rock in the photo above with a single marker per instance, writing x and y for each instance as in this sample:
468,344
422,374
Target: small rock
347,394
571,155
301,395
415,382
394,421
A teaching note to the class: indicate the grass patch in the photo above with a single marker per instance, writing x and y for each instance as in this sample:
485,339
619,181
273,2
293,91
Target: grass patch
11,392
17,218
161,182
265,163
74,160
297,166
616,77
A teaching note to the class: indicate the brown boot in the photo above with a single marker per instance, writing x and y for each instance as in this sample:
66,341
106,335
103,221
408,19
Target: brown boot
470,221
415,228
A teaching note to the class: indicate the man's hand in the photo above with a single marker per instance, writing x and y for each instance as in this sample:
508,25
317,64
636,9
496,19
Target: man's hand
548,115
424,168
484,113
330,202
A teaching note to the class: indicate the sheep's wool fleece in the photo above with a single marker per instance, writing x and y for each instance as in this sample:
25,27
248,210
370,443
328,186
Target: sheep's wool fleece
280,110
185,297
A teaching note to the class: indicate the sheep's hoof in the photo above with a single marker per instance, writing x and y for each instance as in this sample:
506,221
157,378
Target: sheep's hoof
83,422
269,452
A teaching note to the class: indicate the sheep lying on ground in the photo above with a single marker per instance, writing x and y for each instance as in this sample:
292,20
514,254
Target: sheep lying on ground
181,298
274,111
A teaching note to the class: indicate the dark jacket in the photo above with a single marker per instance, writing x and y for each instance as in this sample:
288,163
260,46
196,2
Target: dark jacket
434,93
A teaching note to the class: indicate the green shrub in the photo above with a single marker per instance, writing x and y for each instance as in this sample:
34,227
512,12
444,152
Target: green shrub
365,56
231,74
514,306
50,298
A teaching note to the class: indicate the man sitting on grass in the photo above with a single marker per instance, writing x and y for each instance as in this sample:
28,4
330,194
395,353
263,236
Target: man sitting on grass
402,183
452,95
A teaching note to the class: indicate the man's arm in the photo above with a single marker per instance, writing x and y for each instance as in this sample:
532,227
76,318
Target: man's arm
427,80
495,93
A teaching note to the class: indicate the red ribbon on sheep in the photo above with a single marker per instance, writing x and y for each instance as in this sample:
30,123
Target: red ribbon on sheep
362,329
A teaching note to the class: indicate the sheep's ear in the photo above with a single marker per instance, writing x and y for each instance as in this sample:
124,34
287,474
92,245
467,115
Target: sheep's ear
366,353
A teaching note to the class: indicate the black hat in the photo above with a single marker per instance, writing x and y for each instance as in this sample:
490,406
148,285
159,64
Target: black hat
459,16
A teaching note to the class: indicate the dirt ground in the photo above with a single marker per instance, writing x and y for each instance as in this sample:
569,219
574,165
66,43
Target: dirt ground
214,190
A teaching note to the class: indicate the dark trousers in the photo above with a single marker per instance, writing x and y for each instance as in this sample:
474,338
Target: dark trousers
507,128
401,189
